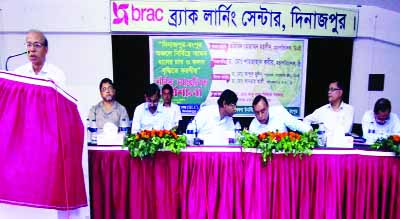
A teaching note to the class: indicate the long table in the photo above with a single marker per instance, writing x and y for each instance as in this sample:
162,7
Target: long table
226,182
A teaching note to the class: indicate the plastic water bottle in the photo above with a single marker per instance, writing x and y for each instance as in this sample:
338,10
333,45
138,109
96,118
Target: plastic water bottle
372,133
93,132
238,129
190,135
88,133
321,135
123,127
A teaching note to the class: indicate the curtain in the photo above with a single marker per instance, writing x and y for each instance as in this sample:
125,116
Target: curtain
41,141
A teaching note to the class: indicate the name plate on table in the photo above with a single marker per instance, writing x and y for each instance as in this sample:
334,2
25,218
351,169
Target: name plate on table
339,142
110,139
110,135
219,138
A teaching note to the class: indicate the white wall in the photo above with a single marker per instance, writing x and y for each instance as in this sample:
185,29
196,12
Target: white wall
84,57
376,51
80,44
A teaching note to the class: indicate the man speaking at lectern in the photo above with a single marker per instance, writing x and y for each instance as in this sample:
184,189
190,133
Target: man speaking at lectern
37,47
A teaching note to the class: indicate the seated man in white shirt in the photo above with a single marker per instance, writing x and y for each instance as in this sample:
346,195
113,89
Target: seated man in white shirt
173,110
381,122
217,119
336,116
274,118
150,114
37,46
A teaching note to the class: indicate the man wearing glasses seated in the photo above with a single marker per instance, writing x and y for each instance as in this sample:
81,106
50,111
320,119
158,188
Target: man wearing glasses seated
381,122
37,47
150,114
336,115
108,110
212,119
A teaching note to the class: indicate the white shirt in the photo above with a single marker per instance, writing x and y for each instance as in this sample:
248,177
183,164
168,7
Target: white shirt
174,112
143,119
48,71
342,119
208,121
372,130
279,119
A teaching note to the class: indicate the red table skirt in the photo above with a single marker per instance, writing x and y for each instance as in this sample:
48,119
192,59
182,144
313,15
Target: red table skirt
239,185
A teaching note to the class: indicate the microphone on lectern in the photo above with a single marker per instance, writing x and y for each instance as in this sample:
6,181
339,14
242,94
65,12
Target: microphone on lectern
12,56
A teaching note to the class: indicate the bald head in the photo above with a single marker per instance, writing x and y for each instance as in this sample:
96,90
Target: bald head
40,36
36,45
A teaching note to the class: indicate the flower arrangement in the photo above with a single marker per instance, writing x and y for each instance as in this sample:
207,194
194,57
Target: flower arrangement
287,142
147,142
392,143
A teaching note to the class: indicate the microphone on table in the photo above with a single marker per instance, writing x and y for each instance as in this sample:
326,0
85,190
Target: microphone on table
196,140
12,56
